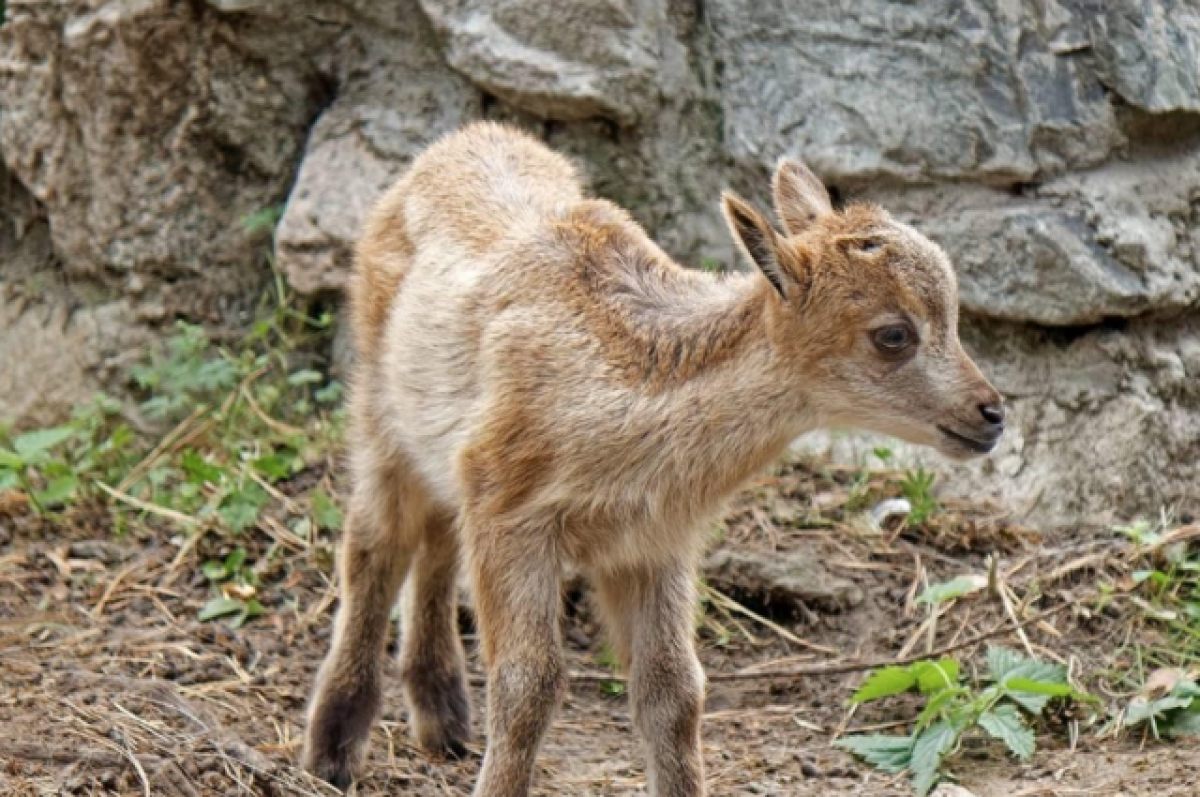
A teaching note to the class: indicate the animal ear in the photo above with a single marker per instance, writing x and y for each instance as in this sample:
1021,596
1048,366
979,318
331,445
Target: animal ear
800,196
757,239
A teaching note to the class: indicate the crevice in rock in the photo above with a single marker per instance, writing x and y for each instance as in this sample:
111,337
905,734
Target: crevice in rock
1157,135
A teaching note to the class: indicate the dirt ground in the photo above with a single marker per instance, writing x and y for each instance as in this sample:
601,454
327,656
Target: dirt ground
111,686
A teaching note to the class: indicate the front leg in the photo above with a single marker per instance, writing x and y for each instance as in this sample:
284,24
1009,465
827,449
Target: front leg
517,603
651,615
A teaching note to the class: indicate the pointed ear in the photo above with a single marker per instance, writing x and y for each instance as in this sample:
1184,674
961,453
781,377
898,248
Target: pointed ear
757,239
800,196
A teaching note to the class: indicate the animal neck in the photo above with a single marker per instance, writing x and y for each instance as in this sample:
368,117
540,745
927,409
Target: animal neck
733,395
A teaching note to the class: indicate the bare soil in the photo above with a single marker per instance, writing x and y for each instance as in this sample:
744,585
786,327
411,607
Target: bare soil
111,686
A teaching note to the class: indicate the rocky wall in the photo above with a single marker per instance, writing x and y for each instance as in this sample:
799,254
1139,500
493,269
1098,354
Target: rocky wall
1052,146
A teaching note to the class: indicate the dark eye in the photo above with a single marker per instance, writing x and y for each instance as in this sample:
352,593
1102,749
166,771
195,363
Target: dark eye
869,245
893,338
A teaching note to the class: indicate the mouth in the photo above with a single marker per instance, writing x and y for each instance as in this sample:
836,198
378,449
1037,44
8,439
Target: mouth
978,446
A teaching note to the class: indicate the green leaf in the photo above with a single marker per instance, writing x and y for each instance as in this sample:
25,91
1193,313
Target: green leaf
1048,689
239,509
219,607
1141,710
11,460
59,491
215,571
930,747
888,753
885,683
306,376
1002,661
327,514
330,394
235,560
1005,723
261,220
33,444
275,466
949,590
249,610
1185,723
198,469
936,704
612,688
1006,665
936,676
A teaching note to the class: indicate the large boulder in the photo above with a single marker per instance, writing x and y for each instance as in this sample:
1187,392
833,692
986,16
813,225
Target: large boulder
572,59
908,91
1148,51
399,98
1116,240
60,342
149,130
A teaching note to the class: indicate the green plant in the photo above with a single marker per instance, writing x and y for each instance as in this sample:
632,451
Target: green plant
946,591
608,660
1019,687
51,465
262,220
1164,585
1172,710
240,421
237,586
917,487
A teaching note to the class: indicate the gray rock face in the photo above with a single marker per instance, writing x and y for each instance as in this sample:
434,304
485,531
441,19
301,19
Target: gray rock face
1150,52
361,143
908,91
53,356
1117,240
1104,427
149,129
1053,147
566,60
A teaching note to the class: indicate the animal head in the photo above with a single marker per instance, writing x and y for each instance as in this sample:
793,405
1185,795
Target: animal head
865,315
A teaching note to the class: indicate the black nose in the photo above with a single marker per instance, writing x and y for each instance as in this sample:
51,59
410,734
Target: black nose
992,413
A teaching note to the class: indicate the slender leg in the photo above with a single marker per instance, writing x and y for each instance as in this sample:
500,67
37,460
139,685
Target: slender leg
381,536
432,664
651,614
517,603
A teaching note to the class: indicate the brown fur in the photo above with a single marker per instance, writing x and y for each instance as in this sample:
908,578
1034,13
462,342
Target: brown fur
540,387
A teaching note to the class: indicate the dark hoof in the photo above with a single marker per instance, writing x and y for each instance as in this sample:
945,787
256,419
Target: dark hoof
337,773
449,747
337,734
440,715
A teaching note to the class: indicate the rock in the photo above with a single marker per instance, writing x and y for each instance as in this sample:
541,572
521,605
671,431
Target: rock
567,60
1104,425
1101,243
951,790
149,129
1150,52
785,580
58,345
361,143
53,356
943,89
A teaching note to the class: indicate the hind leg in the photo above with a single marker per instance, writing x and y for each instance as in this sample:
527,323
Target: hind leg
432,663
651,616
387,512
